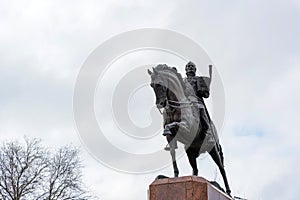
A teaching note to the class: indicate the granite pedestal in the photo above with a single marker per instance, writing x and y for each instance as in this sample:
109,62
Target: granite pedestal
185,188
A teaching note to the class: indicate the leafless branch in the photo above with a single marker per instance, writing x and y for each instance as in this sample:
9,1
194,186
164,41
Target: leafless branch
29,171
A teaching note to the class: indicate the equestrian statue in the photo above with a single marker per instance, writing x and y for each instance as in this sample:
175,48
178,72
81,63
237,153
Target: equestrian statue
185,116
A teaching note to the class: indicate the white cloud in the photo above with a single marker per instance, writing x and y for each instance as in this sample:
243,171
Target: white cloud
254,45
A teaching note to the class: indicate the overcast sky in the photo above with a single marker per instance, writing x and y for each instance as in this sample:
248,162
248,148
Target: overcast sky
254,45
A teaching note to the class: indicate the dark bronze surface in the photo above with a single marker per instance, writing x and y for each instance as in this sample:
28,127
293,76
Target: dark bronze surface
186,119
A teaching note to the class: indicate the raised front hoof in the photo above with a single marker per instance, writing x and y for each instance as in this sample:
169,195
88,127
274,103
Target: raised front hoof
167,148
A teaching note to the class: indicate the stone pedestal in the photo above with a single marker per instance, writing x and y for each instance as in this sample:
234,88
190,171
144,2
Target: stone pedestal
185,188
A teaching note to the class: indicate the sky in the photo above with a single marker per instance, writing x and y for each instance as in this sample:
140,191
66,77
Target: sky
253,45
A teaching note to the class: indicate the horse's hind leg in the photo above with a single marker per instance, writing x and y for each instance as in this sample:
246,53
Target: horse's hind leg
173,146
216,157
221,155
192,155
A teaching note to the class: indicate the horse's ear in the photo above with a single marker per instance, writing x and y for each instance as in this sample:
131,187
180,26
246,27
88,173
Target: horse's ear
154,70
149,72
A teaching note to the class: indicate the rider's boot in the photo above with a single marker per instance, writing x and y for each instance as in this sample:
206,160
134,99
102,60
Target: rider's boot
204,120
167,131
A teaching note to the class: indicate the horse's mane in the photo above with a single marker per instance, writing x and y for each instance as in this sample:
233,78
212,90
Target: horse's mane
164,67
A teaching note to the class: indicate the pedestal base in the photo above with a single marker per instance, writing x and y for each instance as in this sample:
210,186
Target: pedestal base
185,188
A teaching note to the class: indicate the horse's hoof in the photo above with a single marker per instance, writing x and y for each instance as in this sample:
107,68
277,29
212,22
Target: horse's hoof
176,174
167,148
161,177
228,192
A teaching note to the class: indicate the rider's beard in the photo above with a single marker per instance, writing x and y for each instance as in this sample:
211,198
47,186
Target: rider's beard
190,73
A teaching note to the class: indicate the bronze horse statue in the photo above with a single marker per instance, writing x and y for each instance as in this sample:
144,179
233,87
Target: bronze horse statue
181,120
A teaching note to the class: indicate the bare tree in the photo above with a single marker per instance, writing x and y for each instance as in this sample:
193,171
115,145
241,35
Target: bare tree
30,172
64,176
21,169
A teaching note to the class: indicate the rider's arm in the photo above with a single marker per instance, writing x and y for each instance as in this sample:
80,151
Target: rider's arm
205,93
202,88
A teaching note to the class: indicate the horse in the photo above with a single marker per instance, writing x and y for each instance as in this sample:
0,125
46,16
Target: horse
181,120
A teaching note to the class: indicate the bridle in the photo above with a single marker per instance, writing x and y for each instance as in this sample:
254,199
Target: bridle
178,104
173,104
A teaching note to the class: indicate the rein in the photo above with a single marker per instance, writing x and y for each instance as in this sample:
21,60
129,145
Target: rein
175,104
178,104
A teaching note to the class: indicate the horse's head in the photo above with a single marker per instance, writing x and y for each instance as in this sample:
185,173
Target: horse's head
160,87
166,83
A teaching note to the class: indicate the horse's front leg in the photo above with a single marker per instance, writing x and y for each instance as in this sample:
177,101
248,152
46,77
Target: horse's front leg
173,146
192,154
173,154
175,126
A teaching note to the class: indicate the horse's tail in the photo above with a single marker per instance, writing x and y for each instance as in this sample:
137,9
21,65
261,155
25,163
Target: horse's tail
221,154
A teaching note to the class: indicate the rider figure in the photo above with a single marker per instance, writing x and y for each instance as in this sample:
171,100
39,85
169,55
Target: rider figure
201,89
